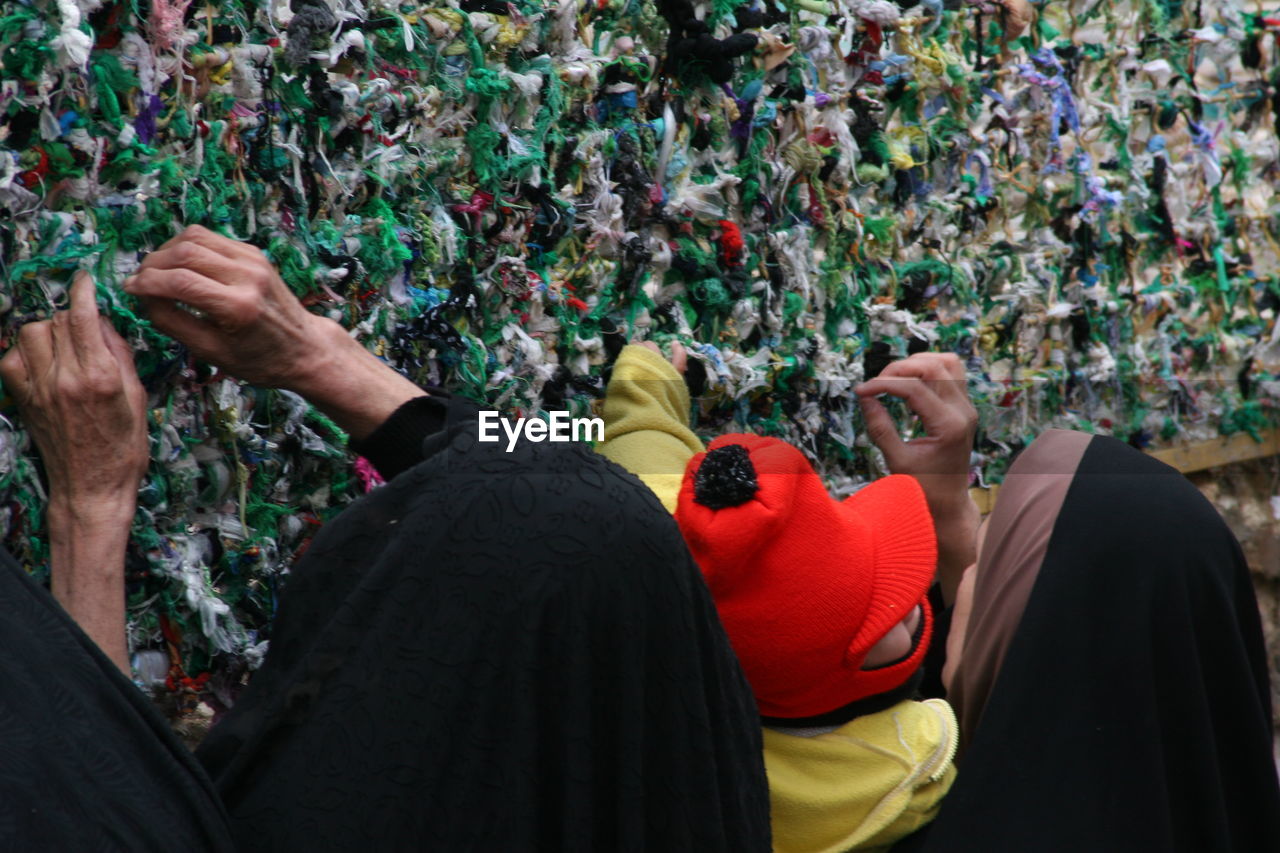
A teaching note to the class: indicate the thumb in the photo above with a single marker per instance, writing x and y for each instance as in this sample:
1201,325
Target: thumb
13,375
881,429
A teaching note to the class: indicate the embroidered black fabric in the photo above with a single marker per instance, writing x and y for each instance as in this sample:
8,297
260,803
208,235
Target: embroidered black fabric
496,651
85,762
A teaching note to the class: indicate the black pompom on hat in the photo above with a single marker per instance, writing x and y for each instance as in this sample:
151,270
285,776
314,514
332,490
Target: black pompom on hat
726,478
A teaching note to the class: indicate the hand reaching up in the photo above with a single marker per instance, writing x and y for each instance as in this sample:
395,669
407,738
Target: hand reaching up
934,388
80,398
225,301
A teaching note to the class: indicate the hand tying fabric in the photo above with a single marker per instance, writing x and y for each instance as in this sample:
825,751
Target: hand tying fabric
74,381
225,301
933,386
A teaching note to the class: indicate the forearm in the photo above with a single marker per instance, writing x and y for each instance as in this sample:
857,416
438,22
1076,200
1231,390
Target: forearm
956,524
349,384
87,541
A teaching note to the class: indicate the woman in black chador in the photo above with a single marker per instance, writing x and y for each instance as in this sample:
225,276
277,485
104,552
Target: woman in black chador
1107,666
495,651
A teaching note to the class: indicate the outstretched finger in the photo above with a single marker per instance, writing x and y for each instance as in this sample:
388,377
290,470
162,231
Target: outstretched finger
217,266
928,365
211,240
943,371
81,325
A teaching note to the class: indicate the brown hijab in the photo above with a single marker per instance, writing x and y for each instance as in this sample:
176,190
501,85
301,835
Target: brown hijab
1114,687
1017,538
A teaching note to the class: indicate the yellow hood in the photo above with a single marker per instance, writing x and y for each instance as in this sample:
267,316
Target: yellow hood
865,785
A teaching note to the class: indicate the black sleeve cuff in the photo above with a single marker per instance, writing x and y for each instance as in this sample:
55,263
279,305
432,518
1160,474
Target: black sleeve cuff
396,445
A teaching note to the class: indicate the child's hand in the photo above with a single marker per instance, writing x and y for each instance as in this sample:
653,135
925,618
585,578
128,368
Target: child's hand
679,358
933,386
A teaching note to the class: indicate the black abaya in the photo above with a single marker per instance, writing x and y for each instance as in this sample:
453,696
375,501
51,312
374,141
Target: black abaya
496,651
1132,709
85,762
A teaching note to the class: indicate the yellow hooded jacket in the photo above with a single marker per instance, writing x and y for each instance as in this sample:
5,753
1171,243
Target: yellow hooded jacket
864,786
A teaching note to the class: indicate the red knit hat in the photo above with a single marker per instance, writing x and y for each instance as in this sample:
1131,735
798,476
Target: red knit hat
806,585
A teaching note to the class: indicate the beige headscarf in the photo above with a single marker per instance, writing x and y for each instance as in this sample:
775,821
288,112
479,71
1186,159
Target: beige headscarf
1017,538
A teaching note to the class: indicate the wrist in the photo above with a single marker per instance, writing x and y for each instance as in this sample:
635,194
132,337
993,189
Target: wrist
350,384
954,507
87,543
311,370
68,510
947,495
956,523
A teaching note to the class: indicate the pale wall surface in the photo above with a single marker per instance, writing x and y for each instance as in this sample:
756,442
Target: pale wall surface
1243,494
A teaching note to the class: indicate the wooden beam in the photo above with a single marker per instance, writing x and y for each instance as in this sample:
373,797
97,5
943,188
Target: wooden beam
985,497
1187,458
1216,452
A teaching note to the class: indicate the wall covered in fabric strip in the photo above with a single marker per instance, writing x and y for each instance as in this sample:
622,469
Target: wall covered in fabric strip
1077,197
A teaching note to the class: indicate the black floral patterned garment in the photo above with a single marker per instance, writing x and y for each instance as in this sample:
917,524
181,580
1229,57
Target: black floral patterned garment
86,763
494,651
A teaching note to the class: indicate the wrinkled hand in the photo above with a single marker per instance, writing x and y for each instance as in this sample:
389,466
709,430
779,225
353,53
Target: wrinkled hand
75,384
933,386
239,315
227,303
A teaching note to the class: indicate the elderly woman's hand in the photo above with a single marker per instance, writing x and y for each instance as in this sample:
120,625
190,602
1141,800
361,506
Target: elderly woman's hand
80,399
226,302
75,384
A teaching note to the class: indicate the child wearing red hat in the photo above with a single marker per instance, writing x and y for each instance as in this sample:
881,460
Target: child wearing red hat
824,602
